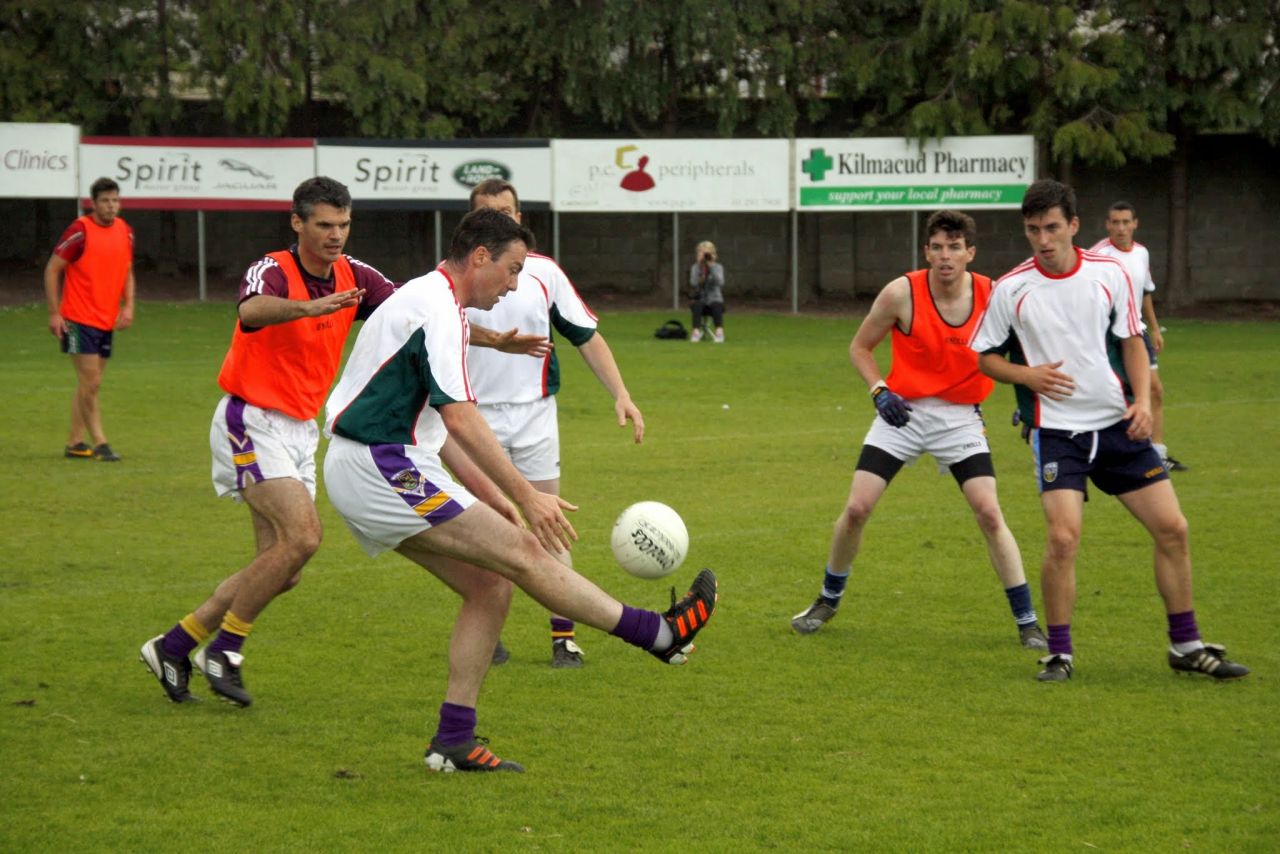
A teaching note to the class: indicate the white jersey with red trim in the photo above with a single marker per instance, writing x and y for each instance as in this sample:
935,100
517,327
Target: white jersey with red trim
544,299
409,358
1136,262
1065,318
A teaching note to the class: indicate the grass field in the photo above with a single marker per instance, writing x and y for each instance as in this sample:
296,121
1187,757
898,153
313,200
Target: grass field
912,722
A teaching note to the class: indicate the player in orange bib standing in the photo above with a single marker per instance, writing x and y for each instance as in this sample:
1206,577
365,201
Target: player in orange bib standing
929,404
96,255
296,308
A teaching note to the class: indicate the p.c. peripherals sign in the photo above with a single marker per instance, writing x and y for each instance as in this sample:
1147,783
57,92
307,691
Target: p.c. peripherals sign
410,174
38,161
674,175
181,173
902,174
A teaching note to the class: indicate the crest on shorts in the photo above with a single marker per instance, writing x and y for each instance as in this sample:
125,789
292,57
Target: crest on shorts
1049,472
407,482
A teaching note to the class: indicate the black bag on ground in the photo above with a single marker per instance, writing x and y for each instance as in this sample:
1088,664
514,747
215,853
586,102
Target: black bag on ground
671,329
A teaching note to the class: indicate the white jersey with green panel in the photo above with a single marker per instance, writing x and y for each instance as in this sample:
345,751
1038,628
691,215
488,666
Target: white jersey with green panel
409,358
544,299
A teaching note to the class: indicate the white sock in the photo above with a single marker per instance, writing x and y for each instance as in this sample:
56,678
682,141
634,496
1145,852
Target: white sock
1162,450
665,638
1188,647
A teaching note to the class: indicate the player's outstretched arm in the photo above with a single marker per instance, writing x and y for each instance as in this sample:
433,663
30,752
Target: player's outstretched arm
265,310
543,512
511,341
599,358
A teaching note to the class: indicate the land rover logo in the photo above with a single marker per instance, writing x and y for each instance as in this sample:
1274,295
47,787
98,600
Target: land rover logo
473,172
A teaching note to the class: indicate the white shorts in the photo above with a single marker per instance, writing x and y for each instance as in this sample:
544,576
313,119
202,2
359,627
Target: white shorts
528,432
251,444
388,493
951,432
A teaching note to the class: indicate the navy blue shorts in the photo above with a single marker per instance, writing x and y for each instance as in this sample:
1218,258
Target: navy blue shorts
1115,463
1151,348
82,340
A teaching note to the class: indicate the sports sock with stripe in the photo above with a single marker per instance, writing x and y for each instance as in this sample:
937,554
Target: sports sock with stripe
1024,613
833,584
1184,634
645,629
186,634
561,628
231,635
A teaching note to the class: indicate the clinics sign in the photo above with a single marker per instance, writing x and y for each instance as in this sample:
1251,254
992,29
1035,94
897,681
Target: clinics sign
618,175
408,174
178,173
901,174
38,161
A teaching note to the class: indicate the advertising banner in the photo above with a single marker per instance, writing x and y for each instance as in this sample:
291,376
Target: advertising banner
900,174
38,161
178,173
416,175
671,175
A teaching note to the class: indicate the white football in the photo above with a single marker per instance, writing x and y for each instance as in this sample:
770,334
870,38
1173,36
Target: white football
650,540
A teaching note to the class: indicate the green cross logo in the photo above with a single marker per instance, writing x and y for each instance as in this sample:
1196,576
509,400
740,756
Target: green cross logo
817,164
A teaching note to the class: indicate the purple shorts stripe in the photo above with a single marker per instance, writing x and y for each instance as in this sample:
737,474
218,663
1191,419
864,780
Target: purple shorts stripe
243,453
423,497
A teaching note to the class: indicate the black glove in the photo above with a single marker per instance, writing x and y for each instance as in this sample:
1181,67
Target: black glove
892,407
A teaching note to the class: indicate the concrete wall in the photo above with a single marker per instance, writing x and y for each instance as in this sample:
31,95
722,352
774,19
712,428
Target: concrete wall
1235,199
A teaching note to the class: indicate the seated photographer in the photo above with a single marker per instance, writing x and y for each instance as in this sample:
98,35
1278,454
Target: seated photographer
706,279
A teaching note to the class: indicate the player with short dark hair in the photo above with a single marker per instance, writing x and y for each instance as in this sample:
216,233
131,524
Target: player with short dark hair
402,410
296,308
517,394
1122,222
930,404
93,262
1055,311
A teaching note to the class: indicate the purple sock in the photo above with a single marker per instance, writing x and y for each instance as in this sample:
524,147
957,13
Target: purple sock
561,628
1182,627
1060,639
457,724
638,627
177,642
226,642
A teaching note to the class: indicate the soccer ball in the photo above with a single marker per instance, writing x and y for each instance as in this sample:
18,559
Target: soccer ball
650,540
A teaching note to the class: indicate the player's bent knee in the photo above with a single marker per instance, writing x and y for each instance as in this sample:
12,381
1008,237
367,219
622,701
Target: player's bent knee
294,581
301,543
527,557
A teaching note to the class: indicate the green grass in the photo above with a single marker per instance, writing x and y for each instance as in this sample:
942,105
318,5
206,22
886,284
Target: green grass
912,722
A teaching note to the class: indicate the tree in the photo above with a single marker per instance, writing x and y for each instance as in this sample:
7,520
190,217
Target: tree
1208,67
51,66
1058,71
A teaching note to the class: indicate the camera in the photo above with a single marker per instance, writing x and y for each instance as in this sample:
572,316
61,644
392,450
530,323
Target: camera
706,258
